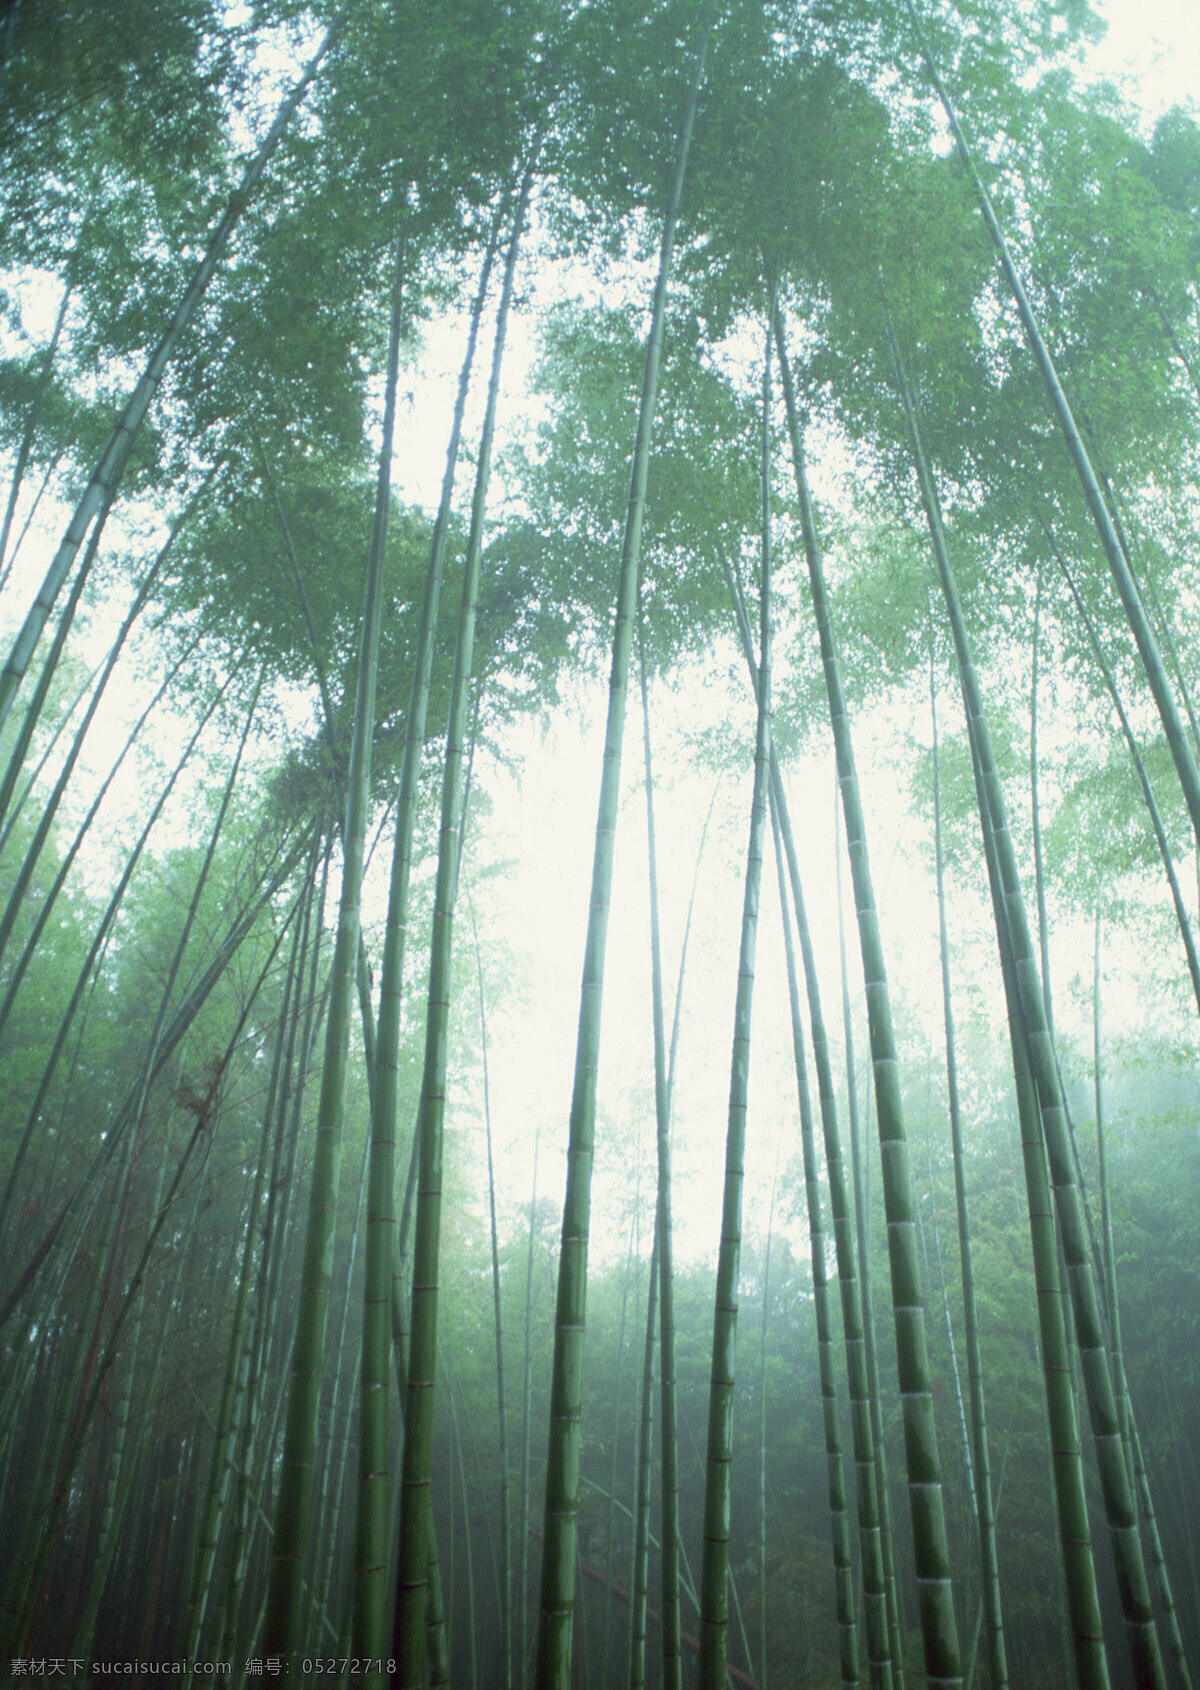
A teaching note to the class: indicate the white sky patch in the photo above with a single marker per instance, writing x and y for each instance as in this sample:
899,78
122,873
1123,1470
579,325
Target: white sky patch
1155,46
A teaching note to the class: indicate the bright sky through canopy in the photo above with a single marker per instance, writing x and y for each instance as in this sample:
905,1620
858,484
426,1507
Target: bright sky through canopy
1158,41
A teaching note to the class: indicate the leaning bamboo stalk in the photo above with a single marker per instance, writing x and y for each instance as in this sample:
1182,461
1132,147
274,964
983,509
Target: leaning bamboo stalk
50,899
396,928
378,1170
991,1612
415,1512
284,1625
1133,1446
525,1527
64,1446
101,489
50,808
47,477
328,1526
641,1524
174,1031
638,1606
505,1673
1013,930
843,1568
562,1493
264,1365
45,1498
33,710
1152,810
29,434
237,1354
849,1288
632,1253
206,1110
98,943
661,1290
664,1085
860,1184
1131,600
117,1484
33,779
718,1487
1083,1623
762,1428
926,1507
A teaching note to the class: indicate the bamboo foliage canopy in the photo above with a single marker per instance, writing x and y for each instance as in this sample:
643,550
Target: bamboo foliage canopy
378,380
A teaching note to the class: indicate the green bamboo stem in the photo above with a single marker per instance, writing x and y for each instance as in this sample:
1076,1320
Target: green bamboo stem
85,973
46,1496
1043,920
160,1054
50,899
1034,1058
238,1353
468,1553
1035,809
843,1568
374,1510
990,1608
762,1430
951,1344
33,779
640,1584
1181,753
1133,1447
1158,1560
372,1620
396,930
715,1570
318,662
524,1527
101,489
618,1374
415,1513
641,1532
37,703
47,477
860,1173
66,1442
329,1511
284,1624
435,1611
664,1082
116,1486
1120,1509
505,1672
50,808
267,1360
562,1465
29,433
1152,810
250,1381
863,1444
938,1624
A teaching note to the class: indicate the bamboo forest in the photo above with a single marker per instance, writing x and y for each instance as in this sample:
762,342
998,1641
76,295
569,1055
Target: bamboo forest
600,839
